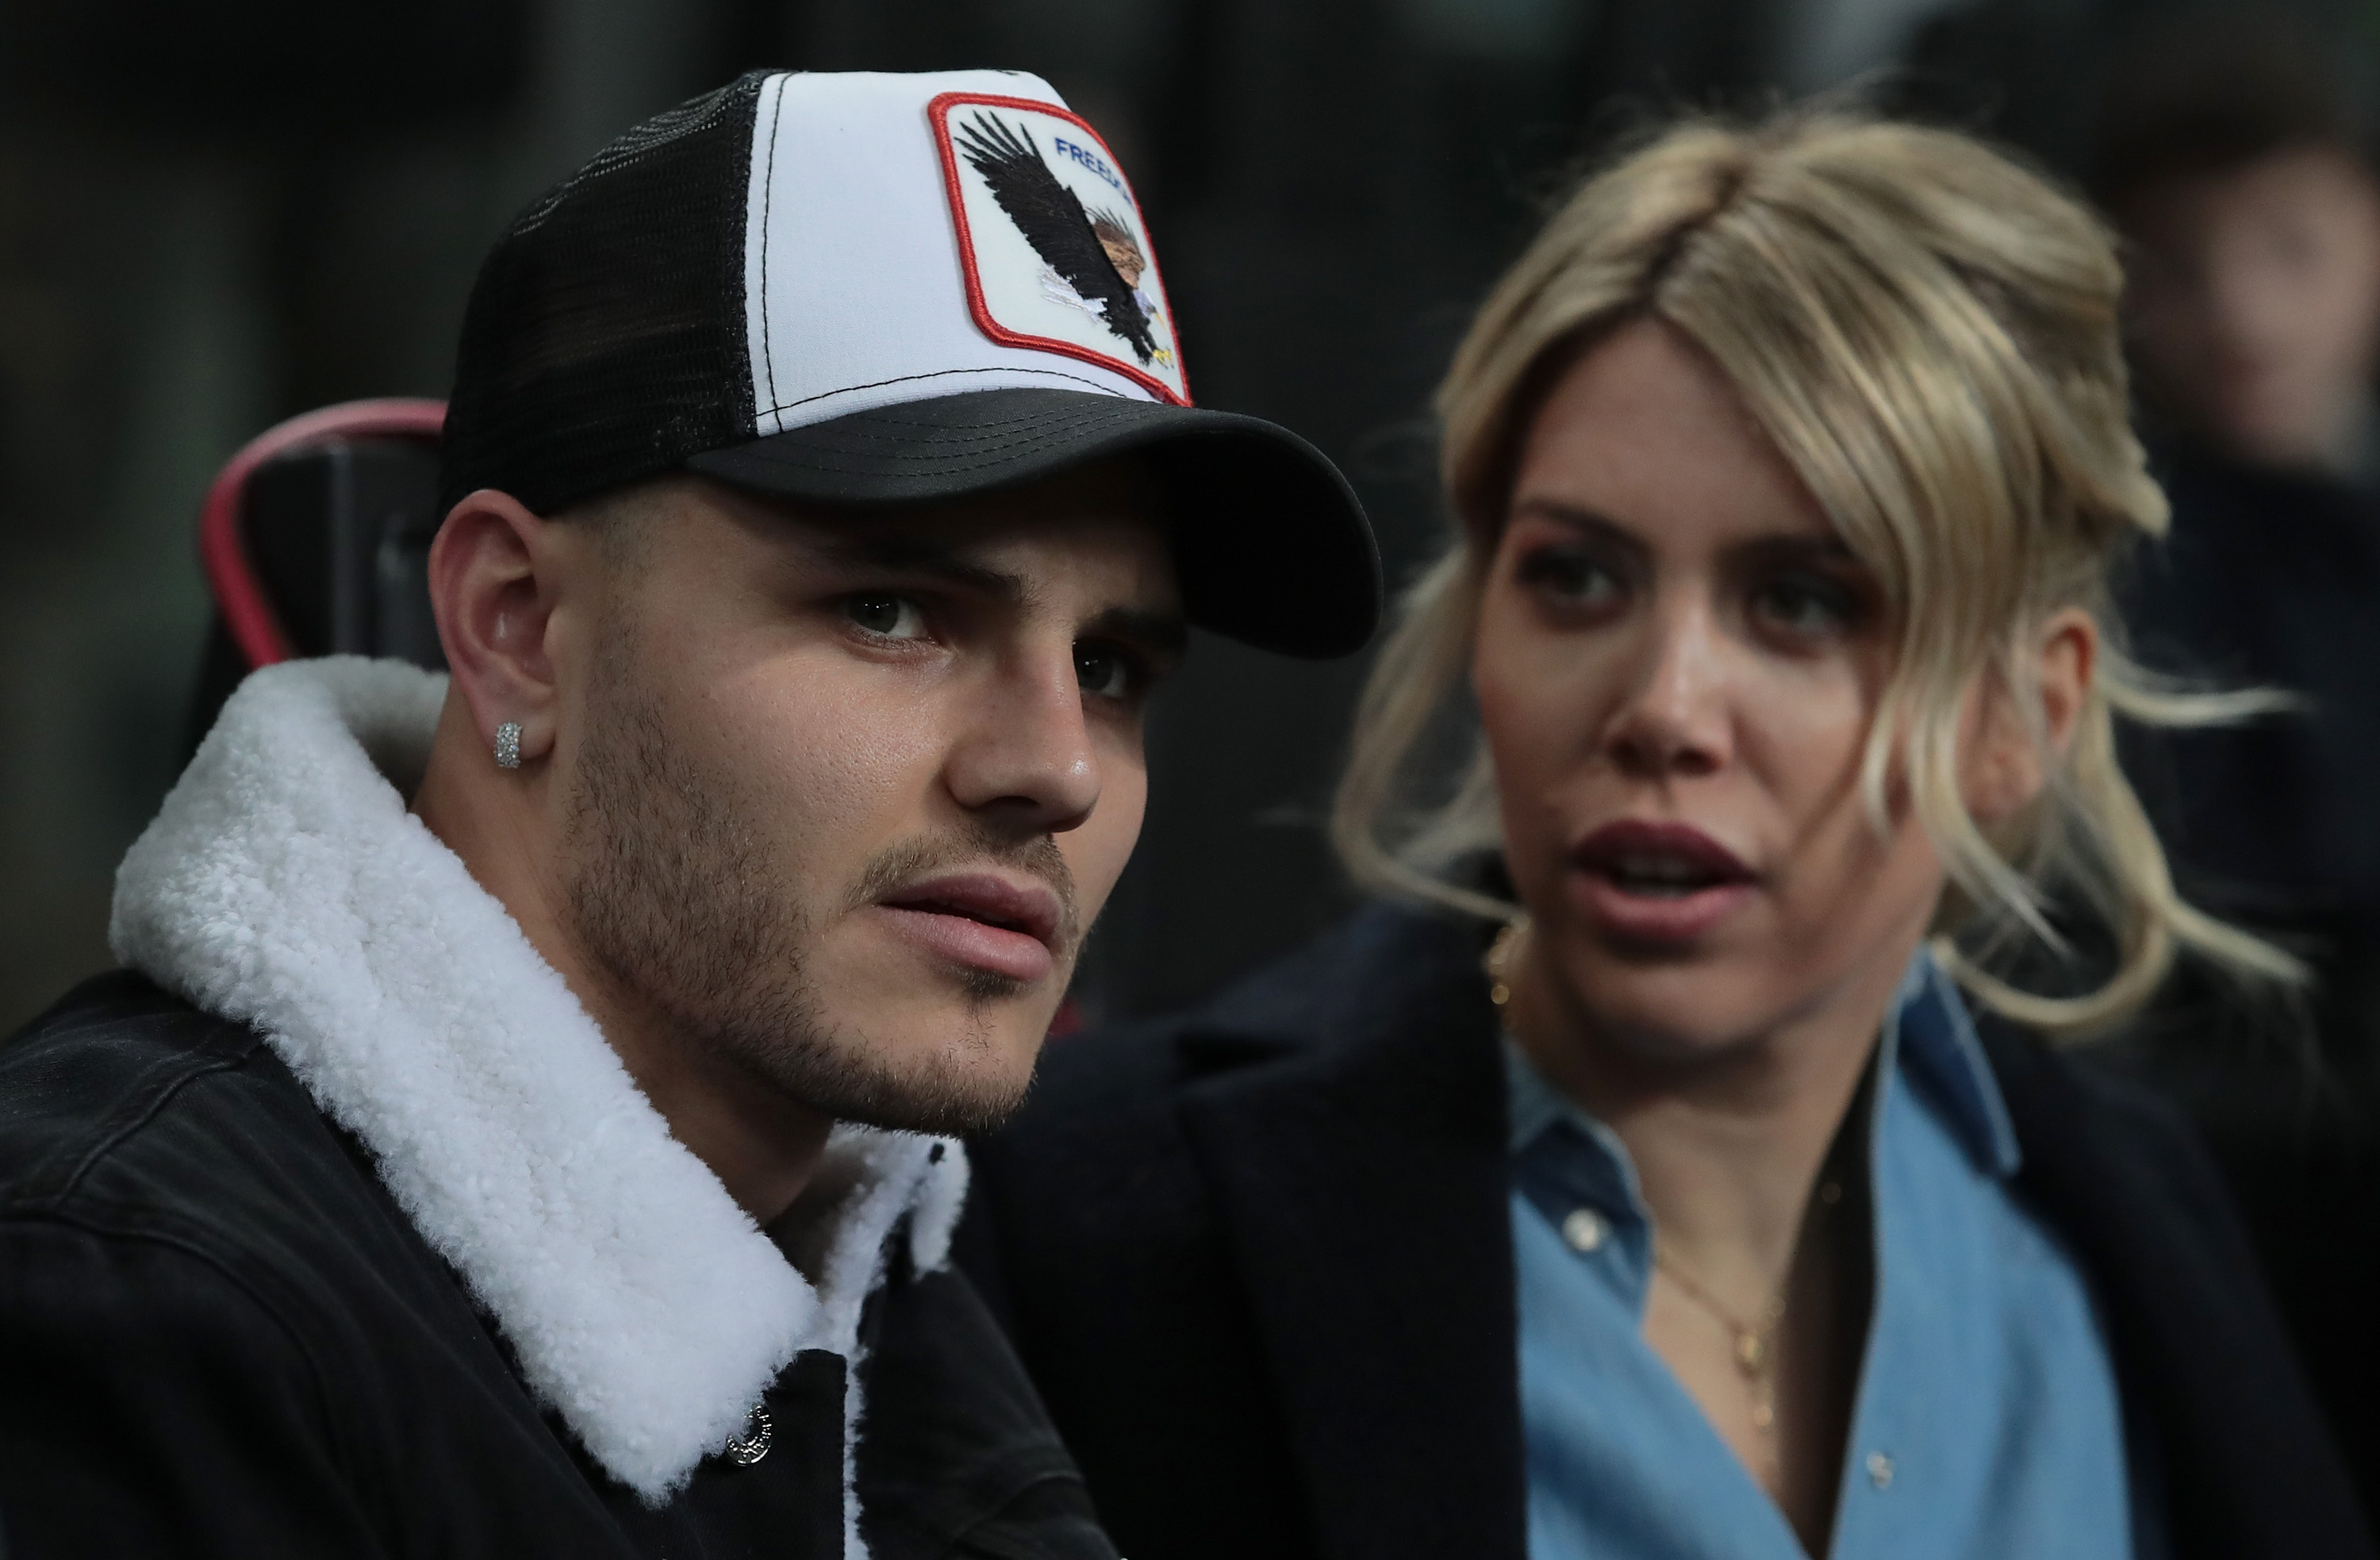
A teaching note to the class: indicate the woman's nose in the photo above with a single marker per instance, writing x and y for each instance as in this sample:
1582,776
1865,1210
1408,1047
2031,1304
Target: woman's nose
1673,720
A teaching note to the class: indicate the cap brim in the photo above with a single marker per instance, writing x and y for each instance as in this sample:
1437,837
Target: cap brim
1269,543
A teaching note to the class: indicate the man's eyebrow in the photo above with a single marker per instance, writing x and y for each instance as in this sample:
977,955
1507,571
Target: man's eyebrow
1165,633
909,554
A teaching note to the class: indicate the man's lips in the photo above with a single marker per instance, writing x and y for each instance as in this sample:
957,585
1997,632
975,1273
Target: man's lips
986,921
1652,882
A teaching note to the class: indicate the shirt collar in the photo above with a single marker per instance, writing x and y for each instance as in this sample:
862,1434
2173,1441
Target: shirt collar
1928,1027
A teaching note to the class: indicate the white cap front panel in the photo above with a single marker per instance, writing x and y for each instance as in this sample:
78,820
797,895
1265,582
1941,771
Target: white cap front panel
857,272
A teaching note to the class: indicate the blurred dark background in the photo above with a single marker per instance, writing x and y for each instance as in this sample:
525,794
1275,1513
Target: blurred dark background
214,214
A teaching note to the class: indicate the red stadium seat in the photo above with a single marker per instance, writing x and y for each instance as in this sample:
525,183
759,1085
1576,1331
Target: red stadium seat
315,538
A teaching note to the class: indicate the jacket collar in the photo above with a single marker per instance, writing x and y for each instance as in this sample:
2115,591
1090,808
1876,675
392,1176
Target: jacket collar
284,886
1929,1030
2226,1442
1354,1142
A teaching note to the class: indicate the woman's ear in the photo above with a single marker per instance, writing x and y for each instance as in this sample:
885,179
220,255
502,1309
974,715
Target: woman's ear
2004,765
492,587
2070,661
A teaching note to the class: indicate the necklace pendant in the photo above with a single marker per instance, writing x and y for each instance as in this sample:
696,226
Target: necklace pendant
1751,1353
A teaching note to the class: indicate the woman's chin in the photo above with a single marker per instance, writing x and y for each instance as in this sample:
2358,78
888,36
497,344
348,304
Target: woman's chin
1674,1011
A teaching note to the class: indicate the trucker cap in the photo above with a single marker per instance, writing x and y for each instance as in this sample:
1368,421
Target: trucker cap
868,289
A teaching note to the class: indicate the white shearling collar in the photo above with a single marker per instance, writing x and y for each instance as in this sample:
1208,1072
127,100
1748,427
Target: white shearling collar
283,884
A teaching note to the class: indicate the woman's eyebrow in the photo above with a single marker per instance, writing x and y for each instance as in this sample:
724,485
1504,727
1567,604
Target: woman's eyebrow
1781,547
1577,516
1796,549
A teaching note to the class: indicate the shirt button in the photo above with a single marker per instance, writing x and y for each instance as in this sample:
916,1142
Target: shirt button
1879,1470
1584,1229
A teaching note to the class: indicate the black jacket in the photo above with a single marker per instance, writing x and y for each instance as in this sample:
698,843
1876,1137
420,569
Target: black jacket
372,1247
220,1336
2272,578
1258,1260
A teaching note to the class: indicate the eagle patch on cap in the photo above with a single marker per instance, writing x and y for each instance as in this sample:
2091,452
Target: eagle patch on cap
1051,238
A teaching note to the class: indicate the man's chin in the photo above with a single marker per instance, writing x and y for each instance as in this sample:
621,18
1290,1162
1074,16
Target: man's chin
968,1079
943,1107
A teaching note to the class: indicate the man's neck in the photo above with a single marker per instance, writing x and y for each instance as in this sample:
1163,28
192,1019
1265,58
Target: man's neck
761,1144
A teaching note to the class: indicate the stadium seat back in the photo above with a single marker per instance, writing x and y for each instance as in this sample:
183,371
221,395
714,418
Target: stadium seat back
316,541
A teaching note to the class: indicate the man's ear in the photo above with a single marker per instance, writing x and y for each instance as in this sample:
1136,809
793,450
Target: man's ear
492,587
2005,767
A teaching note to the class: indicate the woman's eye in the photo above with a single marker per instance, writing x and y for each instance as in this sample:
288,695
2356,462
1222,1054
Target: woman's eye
1575,577
1805,606
1103,671
887,617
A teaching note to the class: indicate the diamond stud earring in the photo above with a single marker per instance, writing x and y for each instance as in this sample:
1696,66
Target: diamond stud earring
760,1430
508,745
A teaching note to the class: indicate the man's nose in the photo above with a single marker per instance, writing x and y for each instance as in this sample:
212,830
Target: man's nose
1024,756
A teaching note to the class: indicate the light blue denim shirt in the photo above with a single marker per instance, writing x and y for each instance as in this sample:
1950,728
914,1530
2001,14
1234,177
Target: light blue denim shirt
1986,1424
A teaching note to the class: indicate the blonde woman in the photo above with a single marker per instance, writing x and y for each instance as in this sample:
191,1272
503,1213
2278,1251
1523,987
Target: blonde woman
1664,1171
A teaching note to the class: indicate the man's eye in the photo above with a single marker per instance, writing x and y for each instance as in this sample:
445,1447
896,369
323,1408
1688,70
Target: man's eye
892,617
1103,671
1575,578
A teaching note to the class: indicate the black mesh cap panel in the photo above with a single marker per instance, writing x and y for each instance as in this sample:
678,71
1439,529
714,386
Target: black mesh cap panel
605,341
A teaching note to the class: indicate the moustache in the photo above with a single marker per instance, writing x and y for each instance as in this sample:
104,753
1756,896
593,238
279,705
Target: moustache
897,866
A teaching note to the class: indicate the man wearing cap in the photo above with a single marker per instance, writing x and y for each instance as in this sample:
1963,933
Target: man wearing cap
519,1128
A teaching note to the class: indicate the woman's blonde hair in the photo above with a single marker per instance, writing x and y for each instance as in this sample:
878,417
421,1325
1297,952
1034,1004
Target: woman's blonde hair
1928,332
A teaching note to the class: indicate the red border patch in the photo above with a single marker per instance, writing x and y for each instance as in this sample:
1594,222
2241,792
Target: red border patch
938,117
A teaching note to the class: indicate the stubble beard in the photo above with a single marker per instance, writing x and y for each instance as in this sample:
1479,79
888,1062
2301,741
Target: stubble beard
672,897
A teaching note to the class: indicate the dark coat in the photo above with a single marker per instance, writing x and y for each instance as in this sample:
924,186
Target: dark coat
220,1336
2272,580
1258,1258
2269,580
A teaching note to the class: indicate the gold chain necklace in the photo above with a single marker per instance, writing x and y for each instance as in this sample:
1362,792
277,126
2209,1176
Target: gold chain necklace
1755,1343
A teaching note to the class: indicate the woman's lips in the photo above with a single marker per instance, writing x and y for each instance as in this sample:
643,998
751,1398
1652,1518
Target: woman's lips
1657,883
981,920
